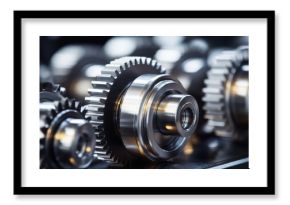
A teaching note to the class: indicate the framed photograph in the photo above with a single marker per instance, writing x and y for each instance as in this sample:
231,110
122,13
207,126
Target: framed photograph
144,102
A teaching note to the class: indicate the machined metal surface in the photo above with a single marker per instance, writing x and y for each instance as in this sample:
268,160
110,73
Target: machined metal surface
127,108
156,117
67,140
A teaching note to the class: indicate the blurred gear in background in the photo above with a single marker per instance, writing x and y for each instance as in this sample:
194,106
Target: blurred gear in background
67,140
194,116
226,94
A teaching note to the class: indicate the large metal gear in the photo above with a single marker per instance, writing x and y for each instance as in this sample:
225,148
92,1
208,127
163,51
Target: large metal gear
67,139
128,108
226,94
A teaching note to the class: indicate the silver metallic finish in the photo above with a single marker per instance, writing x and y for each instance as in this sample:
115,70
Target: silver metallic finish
176,114
138,116
67,139
74,143
147,125
226,93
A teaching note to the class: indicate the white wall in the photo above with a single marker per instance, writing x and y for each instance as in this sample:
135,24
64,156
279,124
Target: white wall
282,85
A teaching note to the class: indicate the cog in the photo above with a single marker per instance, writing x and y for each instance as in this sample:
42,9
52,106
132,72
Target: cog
217,91
62,110
104,97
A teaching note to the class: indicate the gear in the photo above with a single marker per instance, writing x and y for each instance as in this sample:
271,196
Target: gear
104,95
67,140
134,81
226,94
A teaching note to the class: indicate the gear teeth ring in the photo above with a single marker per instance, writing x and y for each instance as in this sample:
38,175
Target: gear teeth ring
100,95
217,84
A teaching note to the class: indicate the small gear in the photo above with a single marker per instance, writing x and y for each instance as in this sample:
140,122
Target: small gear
103,97
225,111
67,140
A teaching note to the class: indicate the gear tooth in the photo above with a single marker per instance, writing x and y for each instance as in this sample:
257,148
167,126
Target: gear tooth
214,82
84,112
152,62
53,113
78,106
95,107
214,106
135,61
48,119
110,70
43,130
66,104
143,60
213,90
106,78
146,61
161,69
213,97
131,62
101,84
214,116
140,61
95,114
96,100
73,103
98,92
96,118
126,66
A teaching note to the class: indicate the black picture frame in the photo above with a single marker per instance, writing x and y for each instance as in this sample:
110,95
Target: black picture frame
269,189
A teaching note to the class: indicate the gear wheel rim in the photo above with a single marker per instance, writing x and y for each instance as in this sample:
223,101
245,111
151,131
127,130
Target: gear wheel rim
217,84
118,74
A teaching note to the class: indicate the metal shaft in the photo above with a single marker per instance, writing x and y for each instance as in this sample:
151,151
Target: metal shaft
176,114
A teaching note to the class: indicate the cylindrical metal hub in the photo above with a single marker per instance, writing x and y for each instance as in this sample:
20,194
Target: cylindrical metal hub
176,114
73,143
156,117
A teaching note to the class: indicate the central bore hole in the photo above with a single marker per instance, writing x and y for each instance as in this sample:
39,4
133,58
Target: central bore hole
82,145
186,118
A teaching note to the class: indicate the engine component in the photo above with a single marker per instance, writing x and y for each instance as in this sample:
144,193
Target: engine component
67,139
139,112
226,94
